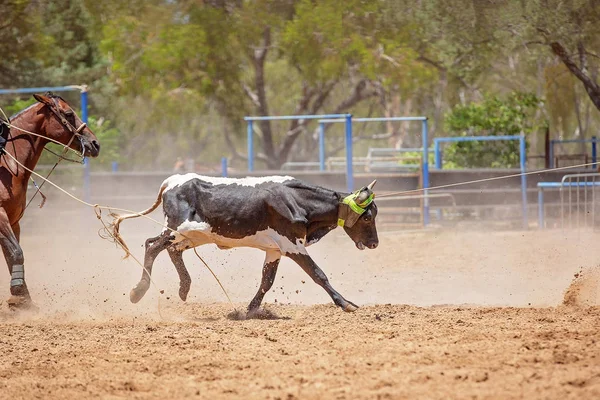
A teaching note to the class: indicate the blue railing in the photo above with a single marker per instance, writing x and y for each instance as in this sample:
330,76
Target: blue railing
522,159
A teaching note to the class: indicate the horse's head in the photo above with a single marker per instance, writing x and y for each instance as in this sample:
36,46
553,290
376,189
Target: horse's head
64,125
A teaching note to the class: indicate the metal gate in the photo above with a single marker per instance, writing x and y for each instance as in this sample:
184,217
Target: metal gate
578,200
579,195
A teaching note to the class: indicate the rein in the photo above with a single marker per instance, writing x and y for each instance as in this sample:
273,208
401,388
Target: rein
76,132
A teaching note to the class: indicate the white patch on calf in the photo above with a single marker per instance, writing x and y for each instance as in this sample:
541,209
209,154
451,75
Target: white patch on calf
187,226
251,181
192,234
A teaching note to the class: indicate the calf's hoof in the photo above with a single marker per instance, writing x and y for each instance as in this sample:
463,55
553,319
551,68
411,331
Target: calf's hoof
183,292
138,292
350,307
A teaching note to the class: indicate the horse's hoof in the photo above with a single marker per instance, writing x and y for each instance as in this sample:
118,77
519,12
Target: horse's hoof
21,303
350,307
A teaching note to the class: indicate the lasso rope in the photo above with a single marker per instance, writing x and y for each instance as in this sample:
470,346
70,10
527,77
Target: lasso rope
98,210
10,125
496,178
61,157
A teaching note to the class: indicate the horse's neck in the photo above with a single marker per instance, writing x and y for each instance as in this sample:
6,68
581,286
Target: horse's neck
26,148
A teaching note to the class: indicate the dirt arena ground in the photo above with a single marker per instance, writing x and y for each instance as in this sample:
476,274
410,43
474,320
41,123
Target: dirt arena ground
443,315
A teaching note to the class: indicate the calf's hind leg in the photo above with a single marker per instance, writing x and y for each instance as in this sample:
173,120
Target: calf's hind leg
185,280
153,247
268,277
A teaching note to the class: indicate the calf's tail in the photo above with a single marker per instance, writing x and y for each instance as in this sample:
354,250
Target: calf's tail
114,226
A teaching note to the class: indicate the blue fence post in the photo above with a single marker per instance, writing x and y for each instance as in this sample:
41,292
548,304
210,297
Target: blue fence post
425,173
437,153
114,166
522,160
540,207
224,167
349,169
250,147
84,104
322,146
594,153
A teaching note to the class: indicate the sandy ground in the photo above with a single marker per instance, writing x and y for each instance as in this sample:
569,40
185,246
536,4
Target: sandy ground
443,315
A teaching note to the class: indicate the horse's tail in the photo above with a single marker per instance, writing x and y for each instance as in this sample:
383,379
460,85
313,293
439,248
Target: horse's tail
119,218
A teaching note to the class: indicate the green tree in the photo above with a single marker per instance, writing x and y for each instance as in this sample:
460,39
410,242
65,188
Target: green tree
492,117
22,42
261,57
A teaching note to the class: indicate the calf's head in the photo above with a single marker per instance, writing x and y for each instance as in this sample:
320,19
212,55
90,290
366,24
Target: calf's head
357,214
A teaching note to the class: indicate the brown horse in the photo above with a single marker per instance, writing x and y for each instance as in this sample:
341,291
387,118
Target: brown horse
51,119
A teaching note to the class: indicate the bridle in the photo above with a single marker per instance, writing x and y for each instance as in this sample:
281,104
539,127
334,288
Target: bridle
76,132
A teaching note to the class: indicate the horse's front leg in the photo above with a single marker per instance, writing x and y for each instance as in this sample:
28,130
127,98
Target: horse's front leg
9,241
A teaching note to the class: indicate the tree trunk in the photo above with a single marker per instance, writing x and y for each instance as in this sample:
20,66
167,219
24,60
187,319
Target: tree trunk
262,106
591,86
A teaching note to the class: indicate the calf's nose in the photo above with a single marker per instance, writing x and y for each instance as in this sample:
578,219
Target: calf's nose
373,245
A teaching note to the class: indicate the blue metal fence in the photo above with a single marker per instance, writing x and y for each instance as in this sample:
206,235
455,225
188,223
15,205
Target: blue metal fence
349,121
522,159
585,182
347,118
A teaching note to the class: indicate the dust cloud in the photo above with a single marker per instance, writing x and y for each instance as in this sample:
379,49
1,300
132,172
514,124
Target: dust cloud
74,273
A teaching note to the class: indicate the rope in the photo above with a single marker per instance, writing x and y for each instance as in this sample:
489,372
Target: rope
484,180
10,125
98,210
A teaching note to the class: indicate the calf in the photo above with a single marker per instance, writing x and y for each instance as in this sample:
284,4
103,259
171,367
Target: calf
279,214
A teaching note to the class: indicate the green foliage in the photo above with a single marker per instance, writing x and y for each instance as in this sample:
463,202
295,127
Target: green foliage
184,72
413,158
18,105
110,138
492,117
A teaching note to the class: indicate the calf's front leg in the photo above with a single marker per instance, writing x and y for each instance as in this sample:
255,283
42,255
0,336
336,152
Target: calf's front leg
317,275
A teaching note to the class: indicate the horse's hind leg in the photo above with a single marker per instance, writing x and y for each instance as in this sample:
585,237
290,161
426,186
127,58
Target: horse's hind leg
153,247
185,280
